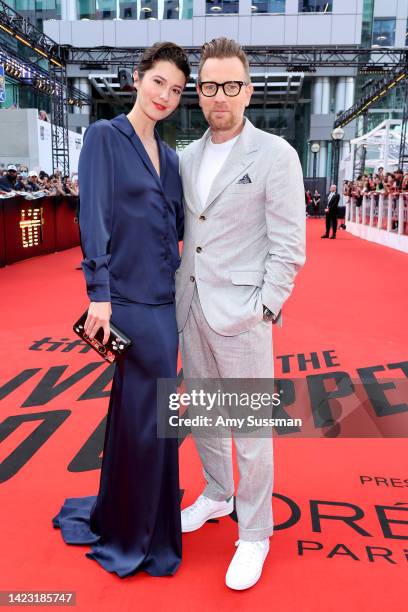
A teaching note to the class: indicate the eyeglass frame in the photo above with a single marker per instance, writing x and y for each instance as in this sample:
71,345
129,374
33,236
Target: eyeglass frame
240,83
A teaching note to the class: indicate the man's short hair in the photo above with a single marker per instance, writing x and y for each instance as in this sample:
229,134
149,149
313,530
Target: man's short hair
222,48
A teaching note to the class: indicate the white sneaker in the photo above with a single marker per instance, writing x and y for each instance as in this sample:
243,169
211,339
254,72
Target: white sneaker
245,568
193,517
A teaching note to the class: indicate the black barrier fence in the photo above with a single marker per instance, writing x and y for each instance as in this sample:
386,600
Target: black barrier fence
36,227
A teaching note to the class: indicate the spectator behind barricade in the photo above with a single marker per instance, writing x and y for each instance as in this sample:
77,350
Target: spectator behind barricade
399,178
44,181
10,182
56,185
43,116
356,191
69,187
366,187
23,173
75,183
346,191
32,183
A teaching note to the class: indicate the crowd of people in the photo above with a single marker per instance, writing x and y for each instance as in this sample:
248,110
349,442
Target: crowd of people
32,184
386,183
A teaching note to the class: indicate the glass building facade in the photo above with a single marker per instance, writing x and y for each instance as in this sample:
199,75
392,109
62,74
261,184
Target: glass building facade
134,9
218,7
315,6
384,31
367,26
269,6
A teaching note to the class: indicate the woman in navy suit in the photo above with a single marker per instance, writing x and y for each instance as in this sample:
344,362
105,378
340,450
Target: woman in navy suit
131,219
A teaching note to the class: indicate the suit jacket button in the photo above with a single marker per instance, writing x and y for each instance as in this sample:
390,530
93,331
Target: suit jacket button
202,218
192,279
198,250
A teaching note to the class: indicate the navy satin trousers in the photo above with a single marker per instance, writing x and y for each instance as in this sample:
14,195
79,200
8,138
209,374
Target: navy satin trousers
134,523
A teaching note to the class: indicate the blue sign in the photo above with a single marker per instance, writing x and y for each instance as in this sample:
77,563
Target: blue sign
2,84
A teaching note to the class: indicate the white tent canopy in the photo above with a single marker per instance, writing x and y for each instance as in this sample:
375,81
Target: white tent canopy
382,144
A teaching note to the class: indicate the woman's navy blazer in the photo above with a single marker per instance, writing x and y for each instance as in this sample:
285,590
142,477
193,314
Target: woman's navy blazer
130,218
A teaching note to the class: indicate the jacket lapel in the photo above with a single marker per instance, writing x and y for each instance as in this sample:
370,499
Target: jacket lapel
123,124
163,158
239,159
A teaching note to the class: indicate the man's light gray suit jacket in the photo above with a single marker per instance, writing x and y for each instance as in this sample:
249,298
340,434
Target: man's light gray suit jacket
245,247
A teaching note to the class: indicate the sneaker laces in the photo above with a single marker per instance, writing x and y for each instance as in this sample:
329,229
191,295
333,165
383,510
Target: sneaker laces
247,551
198,504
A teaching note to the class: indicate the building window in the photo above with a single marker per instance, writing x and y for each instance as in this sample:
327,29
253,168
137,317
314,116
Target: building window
315,6
367,29
127,9
148,10
383,32
106,9
218,7
267,6
406,36
86,9
178,9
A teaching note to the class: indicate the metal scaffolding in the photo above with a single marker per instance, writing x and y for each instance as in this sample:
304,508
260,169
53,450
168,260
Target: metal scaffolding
375,92
304,59
23,30
51,82
403,152
59,122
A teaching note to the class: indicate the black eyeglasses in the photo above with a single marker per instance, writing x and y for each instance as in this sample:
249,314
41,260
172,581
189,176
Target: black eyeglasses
230,88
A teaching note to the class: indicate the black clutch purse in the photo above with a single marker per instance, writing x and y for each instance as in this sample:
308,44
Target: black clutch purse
117,344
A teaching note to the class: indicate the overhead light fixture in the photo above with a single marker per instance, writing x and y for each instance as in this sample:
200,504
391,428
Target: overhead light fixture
41,52
146,9
216,9
23,40
6,29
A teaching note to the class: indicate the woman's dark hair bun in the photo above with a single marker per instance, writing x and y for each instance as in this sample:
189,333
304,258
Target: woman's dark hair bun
164,51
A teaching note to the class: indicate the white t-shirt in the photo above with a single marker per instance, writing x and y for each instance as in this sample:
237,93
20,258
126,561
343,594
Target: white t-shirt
213,159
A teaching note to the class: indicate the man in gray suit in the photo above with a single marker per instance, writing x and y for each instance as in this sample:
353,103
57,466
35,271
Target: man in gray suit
244,242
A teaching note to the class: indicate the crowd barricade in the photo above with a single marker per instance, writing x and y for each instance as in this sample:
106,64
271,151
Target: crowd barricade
36,227
380,218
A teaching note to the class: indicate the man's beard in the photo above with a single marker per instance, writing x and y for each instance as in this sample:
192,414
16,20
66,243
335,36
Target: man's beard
221,123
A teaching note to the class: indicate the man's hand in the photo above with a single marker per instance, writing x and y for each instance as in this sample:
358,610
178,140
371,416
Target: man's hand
326,210
99,314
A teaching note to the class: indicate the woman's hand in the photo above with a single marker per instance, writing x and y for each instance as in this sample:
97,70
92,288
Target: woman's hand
99,314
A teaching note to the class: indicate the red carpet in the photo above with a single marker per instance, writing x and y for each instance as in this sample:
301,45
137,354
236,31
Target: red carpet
351,300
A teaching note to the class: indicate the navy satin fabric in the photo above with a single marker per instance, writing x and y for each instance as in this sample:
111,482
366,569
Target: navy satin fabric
130,218
134,523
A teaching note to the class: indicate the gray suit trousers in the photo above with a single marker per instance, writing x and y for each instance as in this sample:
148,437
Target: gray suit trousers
207,354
